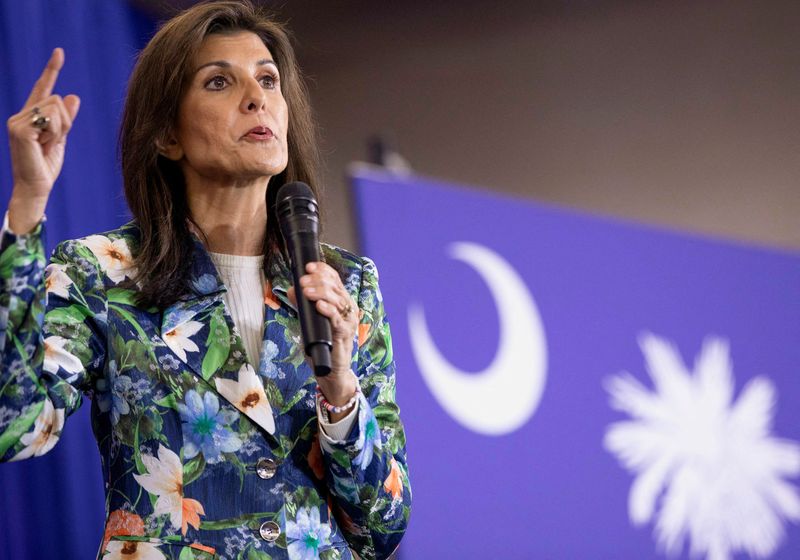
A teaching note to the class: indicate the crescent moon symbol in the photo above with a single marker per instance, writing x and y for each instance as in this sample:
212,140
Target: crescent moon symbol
503,397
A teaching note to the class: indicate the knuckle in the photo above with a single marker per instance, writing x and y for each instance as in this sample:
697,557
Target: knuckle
16,128
54,126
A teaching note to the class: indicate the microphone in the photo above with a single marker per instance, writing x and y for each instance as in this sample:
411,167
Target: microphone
298,216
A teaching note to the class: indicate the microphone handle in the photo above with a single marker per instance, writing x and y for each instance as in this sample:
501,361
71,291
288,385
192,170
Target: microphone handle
316,329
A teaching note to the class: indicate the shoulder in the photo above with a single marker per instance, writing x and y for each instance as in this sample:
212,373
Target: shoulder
343,260
126,235
109,252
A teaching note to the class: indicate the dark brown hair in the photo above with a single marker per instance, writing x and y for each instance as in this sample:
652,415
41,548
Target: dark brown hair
154,185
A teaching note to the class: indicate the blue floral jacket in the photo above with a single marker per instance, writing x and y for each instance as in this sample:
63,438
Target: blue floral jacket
203,457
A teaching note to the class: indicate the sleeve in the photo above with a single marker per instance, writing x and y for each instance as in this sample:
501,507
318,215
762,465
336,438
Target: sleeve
50,340
335,431
367,472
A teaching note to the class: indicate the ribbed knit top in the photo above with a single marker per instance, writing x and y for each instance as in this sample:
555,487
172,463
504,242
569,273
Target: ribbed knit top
244,280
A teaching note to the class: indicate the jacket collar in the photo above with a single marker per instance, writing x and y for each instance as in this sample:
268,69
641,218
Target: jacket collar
199,330
280,278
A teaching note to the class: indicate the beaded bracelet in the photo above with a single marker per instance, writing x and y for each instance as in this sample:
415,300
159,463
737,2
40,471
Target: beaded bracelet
338,409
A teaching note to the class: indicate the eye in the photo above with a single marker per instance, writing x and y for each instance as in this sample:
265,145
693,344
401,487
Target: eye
269,81
217,82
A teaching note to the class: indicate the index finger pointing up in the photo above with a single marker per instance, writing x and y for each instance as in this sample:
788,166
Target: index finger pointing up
44,85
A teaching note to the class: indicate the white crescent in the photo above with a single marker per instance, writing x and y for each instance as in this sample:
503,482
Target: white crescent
503,397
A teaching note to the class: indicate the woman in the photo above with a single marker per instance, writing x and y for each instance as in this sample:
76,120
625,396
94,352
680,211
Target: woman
216,439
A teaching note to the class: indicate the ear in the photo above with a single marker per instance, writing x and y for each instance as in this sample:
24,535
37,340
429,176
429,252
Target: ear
169,148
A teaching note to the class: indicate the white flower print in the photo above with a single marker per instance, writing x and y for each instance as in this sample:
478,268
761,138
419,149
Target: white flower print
179,339
247,394
45,434
133,550
165,480
707,467
114,256
56,280
56,356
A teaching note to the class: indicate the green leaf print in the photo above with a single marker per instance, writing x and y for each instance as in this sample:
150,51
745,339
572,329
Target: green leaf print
218,344
22,424
254,554
193,469
72,315
11,259
168,402
123,296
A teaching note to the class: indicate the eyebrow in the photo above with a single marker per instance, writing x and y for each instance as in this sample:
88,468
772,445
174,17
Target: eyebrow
226,64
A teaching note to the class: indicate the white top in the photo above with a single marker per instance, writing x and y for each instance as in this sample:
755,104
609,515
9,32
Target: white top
244,280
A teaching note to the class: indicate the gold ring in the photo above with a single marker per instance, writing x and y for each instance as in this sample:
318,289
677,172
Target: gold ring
345,311
38,120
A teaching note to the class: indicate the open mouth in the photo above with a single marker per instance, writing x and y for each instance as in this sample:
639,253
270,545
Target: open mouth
259,133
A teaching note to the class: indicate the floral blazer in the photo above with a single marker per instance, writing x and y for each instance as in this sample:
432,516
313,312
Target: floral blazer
202,456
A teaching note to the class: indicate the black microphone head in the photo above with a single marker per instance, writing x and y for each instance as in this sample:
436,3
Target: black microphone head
295,188
296,208
295,194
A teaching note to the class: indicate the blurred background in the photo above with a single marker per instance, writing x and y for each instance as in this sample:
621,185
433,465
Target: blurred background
676,112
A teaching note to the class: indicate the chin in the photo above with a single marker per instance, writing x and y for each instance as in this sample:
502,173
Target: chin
275,169
259,169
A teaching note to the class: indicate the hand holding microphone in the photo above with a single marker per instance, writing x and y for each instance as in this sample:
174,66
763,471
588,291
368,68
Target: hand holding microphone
328,315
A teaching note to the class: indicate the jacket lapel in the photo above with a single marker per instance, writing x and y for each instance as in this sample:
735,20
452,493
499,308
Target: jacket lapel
283,363
283,359
199,330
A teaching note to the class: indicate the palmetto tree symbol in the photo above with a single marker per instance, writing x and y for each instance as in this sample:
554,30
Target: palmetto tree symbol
707,469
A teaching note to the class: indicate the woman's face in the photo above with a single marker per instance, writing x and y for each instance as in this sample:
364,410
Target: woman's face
233,119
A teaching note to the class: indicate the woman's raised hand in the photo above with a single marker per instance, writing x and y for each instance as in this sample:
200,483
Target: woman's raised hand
37,152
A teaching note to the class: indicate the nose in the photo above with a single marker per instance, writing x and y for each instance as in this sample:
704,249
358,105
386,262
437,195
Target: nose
253,98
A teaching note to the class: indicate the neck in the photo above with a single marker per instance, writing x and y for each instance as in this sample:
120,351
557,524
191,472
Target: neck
232,215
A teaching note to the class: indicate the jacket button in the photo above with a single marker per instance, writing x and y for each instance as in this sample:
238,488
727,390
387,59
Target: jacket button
270,531
266,468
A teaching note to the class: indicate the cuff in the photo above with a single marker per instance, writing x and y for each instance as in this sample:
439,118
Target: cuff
32,242
7,229
336,432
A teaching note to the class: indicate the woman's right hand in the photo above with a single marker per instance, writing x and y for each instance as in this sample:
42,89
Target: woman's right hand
37,155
